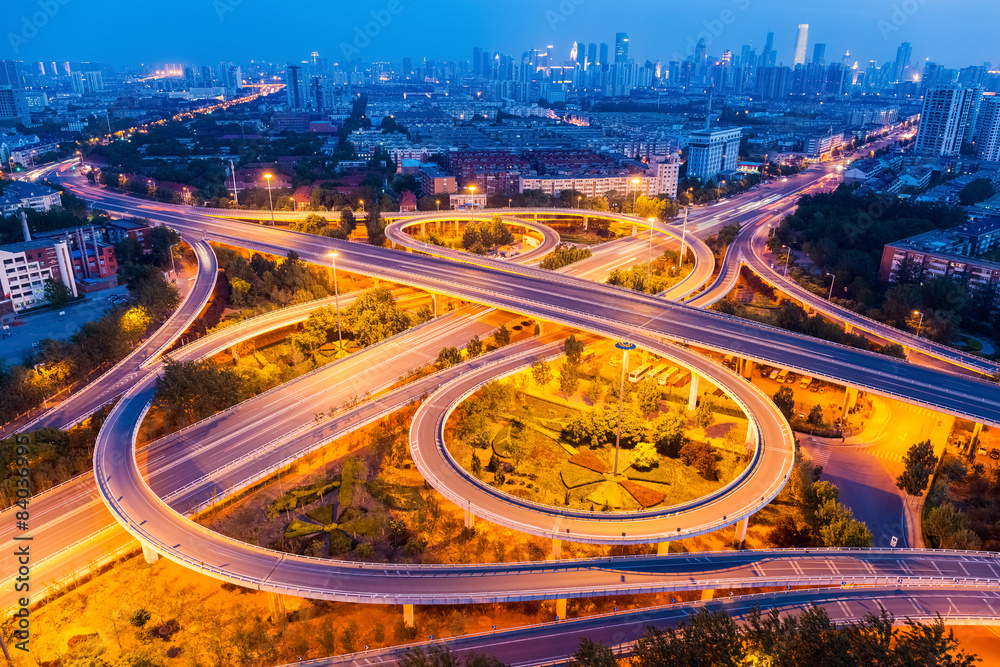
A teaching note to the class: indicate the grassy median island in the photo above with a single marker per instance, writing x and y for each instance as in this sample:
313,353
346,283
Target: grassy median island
547,435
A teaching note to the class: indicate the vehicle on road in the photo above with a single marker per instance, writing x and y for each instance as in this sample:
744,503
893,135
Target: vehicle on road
982,450
639,373
995,453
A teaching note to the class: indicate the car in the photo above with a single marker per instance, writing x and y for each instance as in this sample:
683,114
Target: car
995,453
773,375
814,389
982,450
802,415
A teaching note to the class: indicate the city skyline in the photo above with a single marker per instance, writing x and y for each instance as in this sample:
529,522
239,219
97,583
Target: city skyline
217,31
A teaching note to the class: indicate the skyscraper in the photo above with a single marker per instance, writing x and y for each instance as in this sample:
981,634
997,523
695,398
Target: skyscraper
621,48
903,54
477,61
988,128
819,54
767,56
9,75
801,42
604,53
293,87
945,118
591,54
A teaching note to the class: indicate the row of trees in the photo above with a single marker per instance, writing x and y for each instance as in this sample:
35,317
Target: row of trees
481,237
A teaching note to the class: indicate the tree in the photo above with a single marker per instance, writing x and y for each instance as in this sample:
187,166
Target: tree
134,323
347,220
541,373
787,535
668,433
476,465
474,347
569,379
448,357
701,457
502,336
704,416
590,654
645,457
573,349
649,396
784,400
438,656
950,528
374,316
500,233
918,464
816,415
976,191
57,293
374,226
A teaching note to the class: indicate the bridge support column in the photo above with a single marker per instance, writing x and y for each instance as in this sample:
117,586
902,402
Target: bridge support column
693,396
752,436
741,532
848,327
408,619
233,350
663,548
708,594
423,230
850,400
276,604
470,519
149,554
561,609
974,440
746,368
434,300
556,549
586,222
635,230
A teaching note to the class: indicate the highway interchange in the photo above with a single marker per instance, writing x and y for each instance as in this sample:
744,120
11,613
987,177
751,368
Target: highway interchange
608,311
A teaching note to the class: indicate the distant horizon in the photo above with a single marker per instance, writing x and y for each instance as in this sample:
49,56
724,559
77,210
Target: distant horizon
242,31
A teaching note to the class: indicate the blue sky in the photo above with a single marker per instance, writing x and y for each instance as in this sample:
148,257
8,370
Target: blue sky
953,32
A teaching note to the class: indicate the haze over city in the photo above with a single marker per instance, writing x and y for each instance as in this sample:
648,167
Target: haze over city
535,333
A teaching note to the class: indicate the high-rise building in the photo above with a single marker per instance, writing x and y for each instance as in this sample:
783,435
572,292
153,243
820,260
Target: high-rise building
94,80
945,118
477,61
801,42
819,54
9,75
591,54
604,54
574,53
14,105
294,87
621,48
713,152
768,57
903,54
988,128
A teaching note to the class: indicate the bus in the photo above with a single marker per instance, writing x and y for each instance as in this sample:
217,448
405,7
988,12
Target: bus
805,383
681,380
639,373
666,375
651,375
782,376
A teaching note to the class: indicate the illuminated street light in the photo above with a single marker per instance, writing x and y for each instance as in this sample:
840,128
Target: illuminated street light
920,324
788,256
336,299
270,203
472,203
625,347
834,276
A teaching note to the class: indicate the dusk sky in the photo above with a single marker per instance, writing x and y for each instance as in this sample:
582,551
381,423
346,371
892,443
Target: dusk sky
955,33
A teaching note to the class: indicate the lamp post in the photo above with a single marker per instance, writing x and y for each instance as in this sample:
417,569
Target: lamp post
920,324
579,201
438,202
336,300
362,202
173,268
649,255
834,277
625,347
472,203
270,203
684,229
787,257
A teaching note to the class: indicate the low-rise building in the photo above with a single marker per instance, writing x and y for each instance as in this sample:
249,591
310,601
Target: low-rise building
433,181
25,266
19,195
119,230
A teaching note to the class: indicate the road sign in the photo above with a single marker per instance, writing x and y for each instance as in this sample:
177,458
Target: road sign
894,541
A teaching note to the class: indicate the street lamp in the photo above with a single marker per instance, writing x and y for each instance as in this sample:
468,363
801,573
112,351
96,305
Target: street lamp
510,203
472,203
649,255
834,277
362,202
787,257
173,268
336,299
920,324
684,229
579,201
270,203
625,347
438,202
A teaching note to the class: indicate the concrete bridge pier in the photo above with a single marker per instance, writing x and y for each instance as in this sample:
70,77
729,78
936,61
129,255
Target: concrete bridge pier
276,605
586,222
556,549
149,554
663,548
708,594
974,440
470,519
693,396
561,609
741,531
434,301
746,368
850,400
848,327
408,619
635,230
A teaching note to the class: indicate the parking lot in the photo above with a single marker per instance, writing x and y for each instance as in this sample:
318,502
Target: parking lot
23,332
